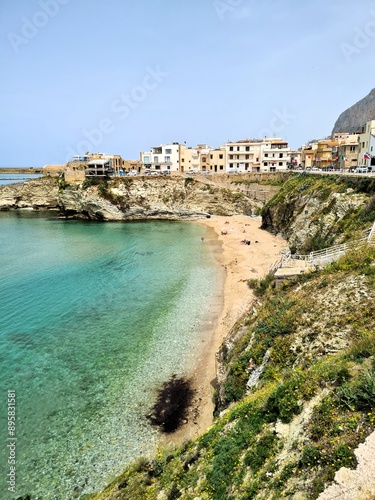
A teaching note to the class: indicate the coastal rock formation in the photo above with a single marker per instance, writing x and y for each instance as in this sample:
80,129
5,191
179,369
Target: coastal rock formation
35,194
80,204
355,117
312,213
127,199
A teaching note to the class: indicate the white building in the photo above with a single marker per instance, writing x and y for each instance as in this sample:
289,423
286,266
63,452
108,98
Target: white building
275,155
366,145
162,158
243,156
266,155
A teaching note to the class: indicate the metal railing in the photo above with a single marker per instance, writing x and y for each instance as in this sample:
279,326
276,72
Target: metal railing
324,256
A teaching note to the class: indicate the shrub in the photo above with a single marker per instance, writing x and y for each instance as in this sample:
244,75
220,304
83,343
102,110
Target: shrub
261,286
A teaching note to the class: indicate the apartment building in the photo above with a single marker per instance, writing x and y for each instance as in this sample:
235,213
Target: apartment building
189,159
255,155
217,160
243,156
275,155
366,145
162,158
308,154
194,159
347,151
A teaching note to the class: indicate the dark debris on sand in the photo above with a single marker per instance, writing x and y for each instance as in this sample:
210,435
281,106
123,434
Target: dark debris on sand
172,405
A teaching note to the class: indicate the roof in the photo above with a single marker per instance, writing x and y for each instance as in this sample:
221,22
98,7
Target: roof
98,162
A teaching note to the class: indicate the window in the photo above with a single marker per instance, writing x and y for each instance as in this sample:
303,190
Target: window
281,155
266,155
280,163
182,160
168,151
231,157
247,148
230,148
211,156
352,148
156,159
221,167
247,157
146,159
265,163
238,148
230,165
204,159
220,157
167,159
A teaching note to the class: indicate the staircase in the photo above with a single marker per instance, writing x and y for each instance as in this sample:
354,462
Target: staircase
321,257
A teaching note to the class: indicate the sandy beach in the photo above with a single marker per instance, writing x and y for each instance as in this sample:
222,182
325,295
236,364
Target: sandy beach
240,262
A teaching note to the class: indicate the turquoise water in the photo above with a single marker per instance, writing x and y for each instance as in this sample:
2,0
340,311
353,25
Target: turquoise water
93,317
16,178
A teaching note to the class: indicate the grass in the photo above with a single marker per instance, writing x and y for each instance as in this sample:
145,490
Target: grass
301,326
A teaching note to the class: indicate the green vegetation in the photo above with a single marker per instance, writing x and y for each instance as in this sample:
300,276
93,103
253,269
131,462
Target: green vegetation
302,417
330,209
244,455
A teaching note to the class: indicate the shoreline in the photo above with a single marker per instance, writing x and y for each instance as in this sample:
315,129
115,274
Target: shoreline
239,262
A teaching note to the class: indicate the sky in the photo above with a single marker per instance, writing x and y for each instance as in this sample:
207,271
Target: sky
122,76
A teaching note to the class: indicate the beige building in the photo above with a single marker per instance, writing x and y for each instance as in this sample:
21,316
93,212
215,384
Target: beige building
217,160
194,159
53,170
75,172
256,155
130,165
308,154
348,151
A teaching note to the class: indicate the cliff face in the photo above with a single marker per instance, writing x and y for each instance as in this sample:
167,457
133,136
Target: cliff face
35,194
127,199
353,119
297,397
313,212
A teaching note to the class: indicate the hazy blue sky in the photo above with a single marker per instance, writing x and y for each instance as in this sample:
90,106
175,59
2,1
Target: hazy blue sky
120,76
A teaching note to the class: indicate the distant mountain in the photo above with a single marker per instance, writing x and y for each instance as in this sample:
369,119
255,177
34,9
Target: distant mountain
353,119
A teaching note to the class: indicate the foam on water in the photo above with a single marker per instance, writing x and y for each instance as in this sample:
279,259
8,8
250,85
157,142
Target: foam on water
93,317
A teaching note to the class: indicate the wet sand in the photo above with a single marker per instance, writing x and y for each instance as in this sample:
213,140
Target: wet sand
239,262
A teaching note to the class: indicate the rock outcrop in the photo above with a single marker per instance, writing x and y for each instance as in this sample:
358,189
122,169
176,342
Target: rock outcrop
355,117
127,199
37,194
312,215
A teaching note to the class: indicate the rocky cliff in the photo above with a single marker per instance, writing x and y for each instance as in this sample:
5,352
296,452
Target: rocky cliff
296,390
127,199
353,119
315,212
36,194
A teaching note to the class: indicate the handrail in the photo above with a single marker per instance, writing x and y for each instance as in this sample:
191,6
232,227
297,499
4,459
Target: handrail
326,254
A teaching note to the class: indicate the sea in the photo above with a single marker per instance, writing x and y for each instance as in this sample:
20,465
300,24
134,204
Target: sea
94,318
16,178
